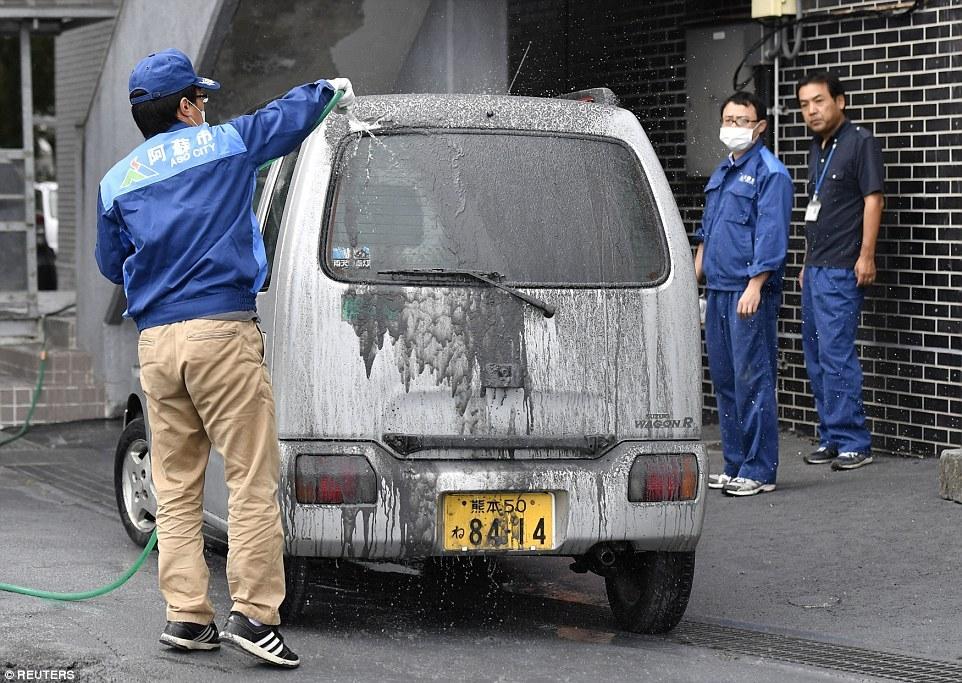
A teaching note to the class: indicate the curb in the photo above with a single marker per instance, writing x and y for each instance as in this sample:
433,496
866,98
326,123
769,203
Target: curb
950,474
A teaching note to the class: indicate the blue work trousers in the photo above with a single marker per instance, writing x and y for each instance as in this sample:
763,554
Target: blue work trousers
743,361
831,308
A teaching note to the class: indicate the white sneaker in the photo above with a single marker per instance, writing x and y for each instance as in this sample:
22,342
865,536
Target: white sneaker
739,486
718,481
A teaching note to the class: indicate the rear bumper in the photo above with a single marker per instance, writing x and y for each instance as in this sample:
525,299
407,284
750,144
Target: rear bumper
591,502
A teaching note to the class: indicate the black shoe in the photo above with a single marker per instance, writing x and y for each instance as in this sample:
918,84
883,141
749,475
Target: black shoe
851,461
185,635
821,456
264,642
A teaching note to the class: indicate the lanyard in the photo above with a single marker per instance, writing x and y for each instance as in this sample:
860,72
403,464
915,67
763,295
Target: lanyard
828,162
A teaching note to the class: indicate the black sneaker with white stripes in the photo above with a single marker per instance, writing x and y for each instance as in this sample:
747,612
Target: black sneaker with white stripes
185,635
264,642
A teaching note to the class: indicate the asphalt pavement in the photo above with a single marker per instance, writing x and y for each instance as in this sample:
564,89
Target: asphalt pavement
835,576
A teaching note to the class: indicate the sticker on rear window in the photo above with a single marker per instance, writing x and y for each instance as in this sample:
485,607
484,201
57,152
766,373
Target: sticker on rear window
362,257
341,257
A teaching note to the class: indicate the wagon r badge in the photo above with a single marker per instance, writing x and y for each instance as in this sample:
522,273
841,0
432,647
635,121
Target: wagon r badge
663,421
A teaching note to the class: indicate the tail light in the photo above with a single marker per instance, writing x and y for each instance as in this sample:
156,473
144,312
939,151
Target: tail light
660,478
334,480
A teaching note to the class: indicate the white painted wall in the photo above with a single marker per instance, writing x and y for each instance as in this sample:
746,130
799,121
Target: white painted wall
373,55
79,54
462,48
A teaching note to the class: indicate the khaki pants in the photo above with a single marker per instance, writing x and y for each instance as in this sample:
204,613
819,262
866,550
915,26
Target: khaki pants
206,385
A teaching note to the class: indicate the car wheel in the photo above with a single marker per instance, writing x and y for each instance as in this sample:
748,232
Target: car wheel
648,592
133,485
296,571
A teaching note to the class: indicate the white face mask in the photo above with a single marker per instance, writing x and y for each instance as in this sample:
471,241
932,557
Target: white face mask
203,114
736,138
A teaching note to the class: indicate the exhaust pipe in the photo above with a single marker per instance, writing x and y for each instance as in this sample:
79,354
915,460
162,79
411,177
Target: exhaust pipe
605,555
600,559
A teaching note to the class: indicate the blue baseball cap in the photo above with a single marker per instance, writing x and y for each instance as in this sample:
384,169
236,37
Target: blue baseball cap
163,73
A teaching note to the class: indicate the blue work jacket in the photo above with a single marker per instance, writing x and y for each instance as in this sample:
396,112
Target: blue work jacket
175,224
748,210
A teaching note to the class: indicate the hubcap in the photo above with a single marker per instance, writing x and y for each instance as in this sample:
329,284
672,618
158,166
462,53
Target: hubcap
140,497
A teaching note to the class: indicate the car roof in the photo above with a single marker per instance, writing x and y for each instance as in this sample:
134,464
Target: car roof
495,112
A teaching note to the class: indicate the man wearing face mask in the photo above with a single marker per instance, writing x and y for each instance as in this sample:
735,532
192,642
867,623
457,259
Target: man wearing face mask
743,239
175,227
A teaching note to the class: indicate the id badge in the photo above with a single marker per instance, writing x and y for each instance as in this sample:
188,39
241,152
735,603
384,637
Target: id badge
811,211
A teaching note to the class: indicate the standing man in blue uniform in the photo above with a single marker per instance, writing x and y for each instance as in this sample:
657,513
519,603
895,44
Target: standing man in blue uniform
842,218
743,241
175,227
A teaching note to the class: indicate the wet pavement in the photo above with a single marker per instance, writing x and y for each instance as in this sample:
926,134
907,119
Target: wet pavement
835,576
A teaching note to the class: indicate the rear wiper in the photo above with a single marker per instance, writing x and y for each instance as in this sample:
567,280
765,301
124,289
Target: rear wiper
492,278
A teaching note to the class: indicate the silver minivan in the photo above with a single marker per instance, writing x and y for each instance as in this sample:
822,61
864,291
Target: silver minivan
482,327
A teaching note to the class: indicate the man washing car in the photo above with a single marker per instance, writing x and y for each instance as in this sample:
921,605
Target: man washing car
175,227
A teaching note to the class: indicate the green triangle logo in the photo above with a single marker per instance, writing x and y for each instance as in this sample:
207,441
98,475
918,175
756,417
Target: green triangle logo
137,172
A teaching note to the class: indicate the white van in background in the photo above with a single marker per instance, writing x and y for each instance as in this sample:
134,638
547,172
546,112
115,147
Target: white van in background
45,195
45,198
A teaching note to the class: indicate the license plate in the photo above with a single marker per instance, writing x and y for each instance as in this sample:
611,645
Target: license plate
494,521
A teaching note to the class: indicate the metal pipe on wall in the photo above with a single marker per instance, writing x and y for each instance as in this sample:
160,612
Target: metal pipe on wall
26,94
789,53
776,106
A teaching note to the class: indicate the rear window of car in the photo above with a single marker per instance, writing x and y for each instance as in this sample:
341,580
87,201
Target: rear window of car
537,209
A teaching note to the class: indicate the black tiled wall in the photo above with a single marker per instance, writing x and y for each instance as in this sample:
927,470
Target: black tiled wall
904,79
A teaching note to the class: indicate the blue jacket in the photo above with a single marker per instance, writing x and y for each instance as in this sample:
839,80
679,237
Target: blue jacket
175,223
748,210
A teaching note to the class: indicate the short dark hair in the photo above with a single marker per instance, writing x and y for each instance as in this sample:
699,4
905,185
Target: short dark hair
746,99
826,78
157,116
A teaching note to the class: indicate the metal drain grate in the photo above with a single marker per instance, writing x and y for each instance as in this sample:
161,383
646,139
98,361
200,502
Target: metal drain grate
815,653
72,480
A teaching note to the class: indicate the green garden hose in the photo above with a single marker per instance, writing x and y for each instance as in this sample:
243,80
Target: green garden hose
51,595
86,595
41,371
33,402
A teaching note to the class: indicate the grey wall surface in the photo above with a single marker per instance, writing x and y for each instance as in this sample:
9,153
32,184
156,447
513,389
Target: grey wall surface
713,54
267,49
79,54
383,46
109,133
462,47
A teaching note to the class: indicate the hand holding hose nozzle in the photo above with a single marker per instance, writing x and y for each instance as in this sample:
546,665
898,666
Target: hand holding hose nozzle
347,98
343,100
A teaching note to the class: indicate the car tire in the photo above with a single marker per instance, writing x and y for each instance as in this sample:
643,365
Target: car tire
648,592
133,486
296,572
